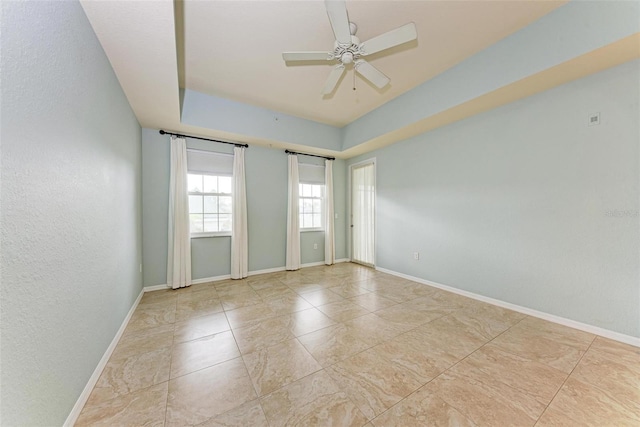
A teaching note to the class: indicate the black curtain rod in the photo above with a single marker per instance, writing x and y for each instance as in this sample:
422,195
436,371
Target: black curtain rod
312,155
163,132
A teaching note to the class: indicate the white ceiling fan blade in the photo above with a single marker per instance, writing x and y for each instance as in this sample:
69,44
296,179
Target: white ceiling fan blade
332,81
372,74
307,56
337,11
392,38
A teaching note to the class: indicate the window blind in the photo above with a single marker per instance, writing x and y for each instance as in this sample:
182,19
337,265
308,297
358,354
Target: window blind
209,162
311,174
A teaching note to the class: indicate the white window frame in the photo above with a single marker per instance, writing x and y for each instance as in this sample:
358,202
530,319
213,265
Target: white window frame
322,206
198,235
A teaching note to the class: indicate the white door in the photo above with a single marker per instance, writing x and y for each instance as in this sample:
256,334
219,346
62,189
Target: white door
363,200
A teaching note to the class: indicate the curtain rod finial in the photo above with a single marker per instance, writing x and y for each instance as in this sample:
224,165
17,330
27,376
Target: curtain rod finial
162,132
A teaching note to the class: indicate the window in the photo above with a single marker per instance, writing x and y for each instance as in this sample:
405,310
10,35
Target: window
210,202
310,199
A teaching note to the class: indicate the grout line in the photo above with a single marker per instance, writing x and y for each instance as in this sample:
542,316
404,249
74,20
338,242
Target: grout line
566,379
466,357
449,368
173,340
346,282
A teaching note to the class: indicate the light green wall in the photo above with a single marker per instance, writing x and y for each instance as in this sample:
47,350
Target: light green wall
71,209
266,175
525,203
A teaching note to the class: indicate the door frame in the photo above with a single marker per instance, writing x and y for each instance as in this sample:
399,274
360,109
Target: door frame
372,161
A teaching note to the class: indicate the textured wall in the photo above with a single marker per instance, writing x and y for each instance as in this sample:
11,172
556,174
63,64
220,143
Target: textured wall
266,174
71,211
525,203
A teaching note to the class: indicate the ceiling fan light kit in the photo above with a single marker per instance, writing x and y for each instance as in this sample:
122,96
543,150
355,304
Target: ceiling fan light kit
349,50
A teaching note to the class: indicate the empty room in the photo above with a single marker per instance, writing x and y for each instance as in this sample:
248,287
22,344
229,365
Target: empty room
320,213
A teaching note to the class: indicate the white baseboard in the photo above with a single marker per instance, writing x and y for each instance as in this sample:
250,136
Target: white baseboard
84,396
228,276
155,288
617,336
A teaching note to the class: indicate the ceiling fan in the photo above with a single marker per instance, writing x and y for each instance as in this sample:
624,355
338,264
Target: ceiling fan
349,50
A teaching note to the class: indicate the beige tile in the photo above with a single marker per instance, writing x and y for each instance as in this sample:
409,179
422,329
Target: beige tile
395,294
381,283
199,327
372,301
452,299
188,308
264,283
263,334
420,409
482,405
247,316
273,367
615,348
402,314
145,340
431,348
144,407
449,335
555,332
482,365
555,345
314,400
307,321
343,310
305,288
416,290
613,369
200,291
233,302
287,277
287,303
321,297
227,283
197,397
191,356
373,330
438,304
152,315
373,383
234,289
488,320
426,359
332,344
319,272
248,415
167,296
581,404
349,290
132,373
351,272
275,291
505,373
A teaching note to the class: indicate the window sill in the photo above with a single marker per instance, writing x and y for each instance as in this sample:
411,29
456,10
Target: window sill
306,230
202,235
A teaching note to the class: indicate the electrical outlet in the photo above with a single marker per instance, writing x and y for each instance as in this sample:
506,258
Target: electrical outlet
416,255
315,246
140,268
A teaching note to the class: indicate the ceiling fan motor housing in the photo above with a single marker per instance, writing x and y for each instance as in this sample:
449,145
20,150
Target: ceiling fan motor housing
348,54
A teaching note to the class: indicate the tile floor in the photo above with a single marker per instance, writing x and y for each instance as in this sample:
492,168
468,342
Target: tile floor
348,346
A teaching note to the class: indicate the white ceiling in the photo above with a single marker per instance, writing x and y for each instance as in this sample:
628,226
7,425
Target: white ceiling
232,49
